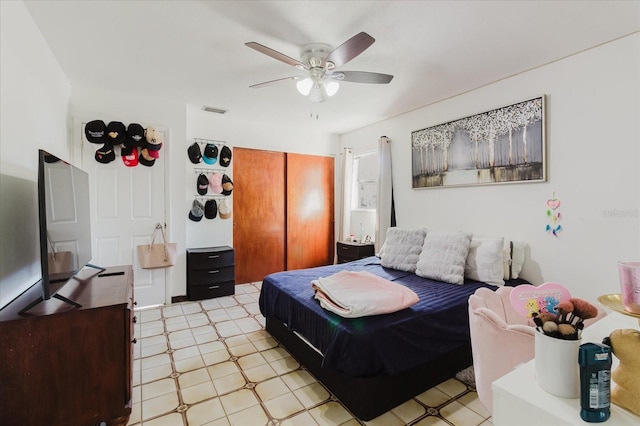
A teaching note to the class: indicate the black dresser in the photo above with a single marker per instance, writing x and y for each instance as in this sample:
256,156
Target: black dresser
348,251
210,272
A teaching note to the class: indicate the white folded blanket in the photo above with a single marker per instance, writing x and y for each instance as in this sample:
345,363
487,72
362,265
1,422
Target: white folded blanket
358,294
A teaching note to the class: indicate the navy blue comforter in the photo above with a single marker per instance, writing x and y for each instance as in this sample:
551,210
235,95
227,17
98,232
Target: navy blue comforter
375,345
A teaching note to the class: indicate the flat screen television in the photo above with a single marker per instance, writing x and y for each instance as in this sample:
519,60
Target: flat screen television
65,225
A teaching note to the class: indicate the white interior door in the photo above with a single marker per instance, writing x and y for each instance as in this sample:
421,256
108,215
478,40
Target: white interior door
126,205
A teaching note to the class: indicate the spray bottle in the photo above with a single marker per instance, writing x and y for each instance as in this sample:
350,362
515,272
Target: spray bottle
595,382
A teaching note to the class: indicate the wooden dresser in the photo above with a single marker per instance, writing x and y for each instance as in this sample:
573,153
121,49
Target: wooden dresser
61,365
210,272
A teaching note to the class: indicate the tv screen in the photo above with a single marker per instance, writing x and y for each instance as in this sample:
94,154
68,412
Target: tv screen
65,224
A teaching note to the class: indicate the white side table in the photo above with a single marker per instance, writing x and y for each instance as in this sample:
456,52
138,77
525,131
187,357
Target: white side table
517,399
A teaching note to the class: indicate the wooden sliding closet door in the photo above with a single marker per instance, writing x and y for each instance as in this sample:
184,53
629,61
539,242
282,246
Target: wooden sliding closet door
283,214
259,221
310,211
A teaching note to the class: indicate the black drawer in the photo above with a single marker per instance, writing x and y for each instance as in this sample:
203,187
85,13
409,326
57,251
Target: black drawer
348,251
208,291
209,259
211,275
210,272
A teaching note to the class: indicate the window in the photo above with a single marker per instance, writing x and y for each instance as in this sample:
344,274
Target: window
364,189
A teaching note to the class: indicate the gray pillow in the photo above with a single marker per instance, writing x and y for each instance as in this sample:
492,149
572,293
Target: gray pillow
444,255
402,248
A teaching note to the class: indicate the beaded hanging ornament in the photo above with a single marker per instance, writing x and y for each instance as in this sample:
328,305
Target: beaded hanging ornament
553,216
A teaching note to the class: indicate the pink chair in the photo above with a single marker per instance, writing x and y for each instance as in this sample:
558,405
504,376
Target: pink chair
501,338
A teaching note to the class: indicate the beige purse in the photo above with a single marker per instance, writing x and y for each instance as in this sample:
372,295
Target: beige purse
59,261
152,256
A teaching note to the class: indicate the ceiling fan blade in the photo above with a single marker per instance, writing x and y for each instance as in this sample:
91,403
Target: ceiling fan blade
276,55
350,49
361,77
270,82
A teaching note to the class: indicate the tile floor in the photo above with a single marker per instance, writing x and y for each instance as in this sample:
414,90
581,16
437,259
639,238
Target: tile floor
211,363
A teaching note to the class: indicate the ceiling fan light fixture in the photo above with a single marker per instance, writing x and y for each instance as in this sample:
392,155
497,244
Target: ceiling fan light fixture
320,61
331,87
316,94
304,86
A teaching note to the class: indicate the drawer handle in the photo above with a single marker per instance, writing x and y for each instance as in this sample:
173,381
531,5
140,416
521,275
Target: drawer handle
134,341
214,272
214,256
213,287
134,320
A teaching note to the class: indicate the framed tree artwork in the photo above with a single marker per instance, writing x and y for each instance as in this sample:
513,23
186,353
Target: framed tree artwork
504,145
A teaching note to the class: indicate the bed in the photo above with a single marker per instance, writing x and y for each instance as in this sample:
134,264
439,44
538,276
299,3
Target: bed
372,364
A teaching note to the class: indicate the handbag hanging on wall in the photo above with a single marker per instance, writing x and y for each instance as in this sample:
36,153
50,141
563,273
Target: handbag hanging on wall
152,256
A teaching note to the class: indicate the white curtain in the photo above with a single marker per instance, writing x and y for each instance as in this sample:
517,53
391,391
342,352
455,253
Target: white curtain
346,167
385,214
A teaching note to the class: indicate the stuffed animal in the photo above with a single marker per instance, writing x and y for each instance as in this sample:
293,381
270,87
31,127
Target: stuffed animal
625,345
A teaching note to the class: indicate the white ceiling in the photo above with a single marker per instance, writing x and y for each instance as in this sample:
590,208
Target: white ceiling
194,52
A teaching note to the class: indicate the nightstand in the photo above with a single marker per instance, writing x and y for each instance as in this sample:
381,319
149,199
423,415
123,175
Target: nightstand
210,272
348,251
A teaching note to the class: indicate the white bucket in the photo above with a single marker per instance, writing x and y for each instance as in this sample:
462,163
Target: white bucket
557,369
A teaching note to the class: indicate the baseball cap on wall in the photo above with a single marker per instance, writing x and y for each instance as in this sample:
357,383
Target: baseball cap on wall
105,154
116,132
145,159
152,135
227,185
225,156
135,135
195,156
96,131
197,211
215,182
224,209
203,184
154,141
154,150
129,156
210,209
210,154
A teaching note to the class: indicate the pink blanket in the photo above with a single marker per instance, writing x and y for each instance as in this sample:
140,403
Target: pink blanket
358,294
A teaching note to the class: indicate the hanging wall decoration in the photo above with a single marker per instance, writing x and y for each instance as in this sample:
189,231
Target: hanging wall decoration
553,216
504,145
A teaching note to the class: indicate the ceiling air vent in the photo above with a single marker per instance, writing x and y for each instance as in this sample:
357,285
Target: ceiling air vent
212,109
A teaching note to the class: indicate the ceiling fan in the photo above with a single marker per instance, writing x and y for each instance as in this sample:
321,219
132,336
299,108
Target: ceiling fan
321,61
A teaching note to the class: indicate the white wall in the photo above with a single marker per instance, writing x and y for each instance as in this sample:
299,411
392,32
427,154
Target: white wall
33,115
593,138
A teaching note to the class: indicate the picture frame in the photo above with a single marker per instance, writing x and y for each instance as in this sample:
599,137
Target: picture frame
500,146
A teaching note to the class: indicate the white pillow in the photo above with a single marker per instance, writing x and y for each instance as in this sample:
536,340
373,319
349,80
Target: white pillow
444,255
485,260
513,258
401,248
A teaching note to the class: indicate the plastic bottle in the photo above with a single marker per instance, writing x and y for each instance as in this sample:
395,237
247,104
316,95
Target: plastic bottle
595,382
